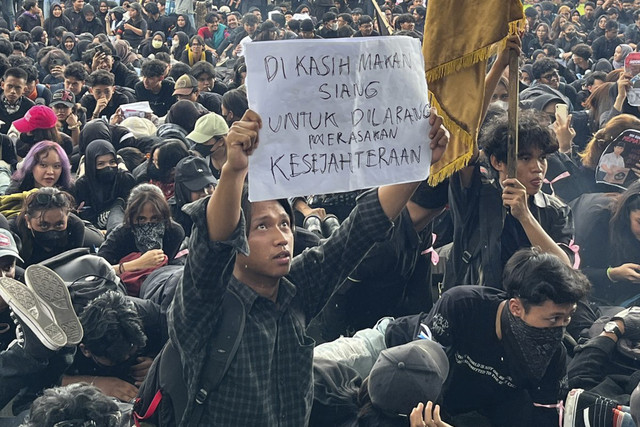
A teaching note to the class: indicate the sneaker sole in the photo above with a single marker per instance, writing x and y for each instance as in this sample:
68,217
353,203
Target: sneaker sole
49,288
26,305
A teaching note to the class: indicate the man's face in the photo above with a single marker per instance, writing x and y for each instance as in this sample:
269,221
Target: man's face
73,85
628,6
530,171
546,315
250,28
30,87
152,83
102,91
570,31
618,150
551,78
611,34
193,96
213,26
580,61
232,21
307,34
205,82
408,26
341,22
78,5
258,14
270,244
588,11
366,29
106,63
594,86
13,88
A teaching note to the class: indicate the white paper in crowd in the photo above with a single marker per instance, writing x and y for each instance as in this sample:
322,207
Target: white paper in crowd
620,160
337,115
136,109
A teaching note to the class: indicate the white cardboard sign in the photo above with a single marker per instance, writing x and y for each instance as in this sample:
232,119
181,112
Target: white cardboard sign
337,115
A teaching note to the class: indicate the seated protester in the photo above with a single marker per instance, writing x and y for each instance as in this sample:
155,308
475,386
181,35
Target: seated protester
156,45
91,24
580,63
193,182
609,239
75,404
101,58
183,24
13,103
30,18
47,227
517,340
185,114
116,18
75,76
54,63
308,30
154,88
131,157
155,20
329,28
126,54
134,29
56,19
208,139
113,354
420,13
234,105
289,292
45,165
101,192
214,32
147,230
205,73
405,22
34,89
160,168
19,49
545,72
66,110
75,15
365,27
186,88
68,46
619,55
605,45
103,99
25,38
179,43
39,124
196,52
119,136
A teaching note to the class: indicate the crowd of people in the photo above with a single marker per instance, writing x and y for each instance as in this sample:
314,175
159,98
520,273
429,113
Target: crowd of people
140,285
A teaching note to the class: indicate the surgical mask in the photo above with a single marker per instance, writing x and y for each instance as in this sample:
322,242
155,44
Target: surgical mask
106,175
334,27
148,236
157,44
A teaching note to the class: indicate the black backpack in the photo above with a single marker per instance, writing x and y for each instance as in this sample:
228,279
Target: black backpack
162,398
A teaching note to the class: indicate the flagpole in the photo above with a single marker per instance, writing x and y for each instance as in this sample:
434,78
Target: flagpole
512,141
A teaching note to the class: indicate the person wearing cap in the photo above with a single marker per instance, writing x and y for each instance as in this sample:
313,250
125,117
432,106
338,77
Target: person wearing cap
38,124
193,181
134,29
13,103
91,24
307,30
208,139
66,110
186,88
154,88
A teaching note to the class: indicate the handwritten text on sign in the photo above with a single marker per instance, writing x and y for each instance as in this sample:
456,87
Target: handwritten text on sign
337,115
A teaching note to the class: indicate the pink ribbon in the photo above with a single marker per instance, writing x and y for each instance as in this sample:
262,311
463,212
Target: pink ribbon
435,258
576,253
563,175
558,407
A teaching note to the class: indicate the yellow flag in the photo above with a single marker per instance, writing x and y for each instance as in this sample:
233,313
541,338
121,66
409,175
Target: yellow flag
459,38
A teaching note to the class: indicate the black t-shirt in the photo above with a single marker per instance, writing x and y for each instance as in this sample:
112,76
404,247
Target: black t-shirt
160,102
89,102
480,377
134,39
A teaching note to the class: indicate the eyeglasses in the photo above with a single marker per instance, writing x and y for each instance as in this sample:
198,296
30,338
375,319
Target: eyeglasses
113,420
550,76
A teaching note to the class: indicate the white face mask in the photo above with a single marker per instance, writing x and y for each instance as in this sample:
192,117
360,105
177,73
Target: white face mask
157,44
334,27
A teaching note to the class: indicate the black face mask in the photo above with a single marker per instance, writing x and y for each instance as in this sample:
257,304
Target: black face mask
529,350
203,150
51,239
106,175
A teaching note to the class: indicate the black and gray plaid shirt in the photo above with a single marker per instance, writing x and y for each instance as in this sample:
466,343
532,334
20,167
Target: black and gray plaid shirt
269,382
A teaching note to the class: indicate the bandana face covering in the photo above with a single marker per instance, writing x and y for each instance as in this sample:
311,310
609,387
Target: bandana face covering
532,348
148,236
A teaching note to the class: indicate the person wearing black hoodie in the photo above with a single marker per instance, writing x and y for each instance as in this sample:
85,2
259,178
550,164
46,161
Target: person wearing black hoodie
107,60
91,24
100,193
68,45
56,19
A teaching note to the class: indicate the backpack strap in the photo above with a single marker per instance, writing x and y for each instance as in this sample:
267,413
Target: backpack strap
223,346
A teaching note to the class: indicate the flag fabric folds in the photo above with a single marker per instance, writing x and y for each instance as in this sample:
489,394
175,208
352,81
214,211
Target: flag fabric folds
459,38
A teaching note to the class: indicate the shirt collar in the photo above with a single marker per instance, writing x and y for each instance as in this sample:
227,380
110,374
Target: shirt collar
286,292
540,200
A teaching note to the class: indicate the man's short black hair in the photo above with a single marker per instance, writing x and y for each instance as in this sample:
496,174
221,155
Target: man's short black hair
542,66
16,72
163,57
421,10
364,19
582,50
636,15
533,132
329,16
531,12
611,25
19,46
32,73
153,68
536,277
77,71
548,6
250,19
551,50
112,326
6,48
23,37
596,75
100,77
202,67
151,8
278,19
180,69
405,17
346,17
211,17
590,3
28,4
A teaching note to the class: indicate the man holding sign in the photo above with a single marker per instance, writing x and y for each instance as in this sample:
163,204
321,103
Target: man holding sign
246,247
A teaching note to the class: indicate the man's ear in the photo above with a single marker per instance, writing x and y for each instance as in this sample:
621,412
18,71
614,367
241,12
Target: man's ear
497,164
27,218
515,306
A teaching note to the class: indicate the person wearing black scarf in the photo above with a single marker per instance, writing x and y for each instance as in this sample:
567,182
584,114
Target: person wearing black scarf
55,19
100,193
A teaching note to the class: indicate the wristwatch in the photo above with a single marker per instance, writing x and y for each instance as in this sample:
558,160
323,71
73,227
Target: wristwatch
612,328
